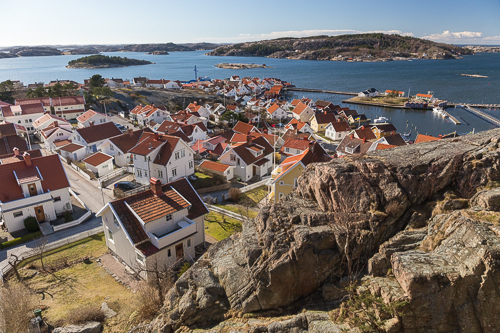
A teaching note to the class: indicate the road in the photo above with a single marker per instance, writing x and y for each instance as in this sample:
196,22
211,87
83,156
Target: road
88,191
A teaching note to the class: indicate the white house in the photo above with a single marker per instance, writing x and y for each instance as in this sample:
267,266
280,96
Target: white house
94,135
276,112
161,225
23,115
73,151
336,131
68,107
172,85
372,92
250,159
99,163
164,157
35,187
92,117
119,146
47,120
202,111
224,170
54,133
155,114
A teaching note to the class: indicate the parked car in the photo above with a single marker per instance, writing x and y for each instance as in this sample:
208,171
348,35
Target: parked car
125,186
120,126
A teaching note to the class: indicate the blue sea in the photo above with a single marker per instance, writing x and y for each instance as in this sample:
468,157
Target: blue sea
418,76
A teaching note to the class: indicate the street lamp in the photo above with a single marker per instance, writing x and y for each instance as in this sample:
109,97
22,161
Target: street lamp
102,194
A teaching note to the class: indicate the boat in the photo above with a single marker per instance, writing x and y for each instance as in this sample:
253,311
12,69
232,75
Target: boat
407,135
381,120
436,109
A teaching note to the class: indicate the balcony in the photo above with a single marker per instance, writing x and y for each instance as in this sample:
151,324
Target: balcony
183,229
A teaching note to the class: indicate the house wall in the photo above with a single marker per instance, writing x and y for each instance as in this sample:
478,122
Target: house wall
102,169
332,134
288,182
162,257
97,119
25,120
161,225
80,154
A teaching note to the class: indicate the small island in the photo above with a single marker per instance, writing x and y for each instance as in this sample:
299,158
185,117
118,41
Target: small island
159,52
226,65
102,61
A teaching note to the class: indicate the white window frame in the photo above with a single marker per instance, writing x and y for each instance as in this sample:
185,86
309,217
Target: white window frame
140,255
168,217
174,172
110,236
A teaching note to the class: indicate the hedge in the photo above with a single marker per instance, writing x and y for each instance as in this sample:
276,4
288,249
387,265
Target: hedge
20,240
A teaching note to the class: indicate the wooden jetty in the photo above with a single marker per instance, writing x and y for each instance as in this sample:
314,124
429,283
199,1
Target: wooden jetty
486,117
323,91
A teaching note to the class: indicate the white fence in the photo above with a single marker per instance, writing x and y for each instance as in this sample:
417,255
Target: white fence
72,223
112,174
83,173
51,246
255,185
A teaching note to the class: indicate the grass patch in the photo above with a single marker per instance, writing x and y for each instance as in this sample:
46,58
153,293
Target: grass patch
323,136
220,227
238,210
203,181
93,246
486,216
255,195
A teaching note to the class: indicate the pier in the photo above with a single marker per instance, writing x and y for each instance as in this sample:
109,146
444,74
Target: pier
481,106
486,117
453,119
323,91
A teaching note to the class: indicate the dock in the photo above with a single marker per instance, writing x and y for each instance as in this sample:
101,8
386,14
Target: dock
481,106
323,91
453,119
486,117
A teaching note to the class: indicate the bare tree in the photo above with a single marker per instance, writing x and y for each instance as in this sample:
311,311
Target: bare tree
159,274
17,306
13,261
40,248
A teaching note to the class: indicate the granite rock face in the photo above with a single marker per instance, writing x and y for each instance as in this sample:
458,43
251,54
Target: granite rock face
295,246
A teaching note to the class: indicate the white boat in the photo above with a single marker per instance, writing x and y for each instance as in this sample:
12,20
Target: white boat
436,109
380,120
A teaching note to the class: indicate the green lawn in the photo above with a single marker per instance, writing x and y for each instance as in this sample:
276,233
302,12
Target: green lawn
202,181
219,227
238,210
323,136
93,246
255,195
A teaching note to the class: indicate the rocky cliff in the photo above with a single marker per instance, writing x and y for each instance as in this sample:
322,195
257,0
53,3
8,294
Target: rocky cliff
411,219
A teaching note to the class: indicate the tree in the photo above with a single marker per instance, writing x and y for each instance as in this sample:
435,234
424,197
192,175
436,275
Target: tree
159,274
69,89
14,260
57,90
96,81
17,306
40,248
101,94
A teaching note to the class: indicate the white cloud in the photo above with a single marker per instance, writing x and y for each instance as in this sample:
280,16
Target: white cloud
462,36
297,33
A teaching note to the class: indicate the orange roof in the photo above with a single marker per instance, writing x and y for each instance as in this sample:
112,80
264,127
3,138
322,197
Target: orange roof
87,115
273,108
97,159
425,138
220,167
295,102
300,108
424,95
381,146
71,147
243,128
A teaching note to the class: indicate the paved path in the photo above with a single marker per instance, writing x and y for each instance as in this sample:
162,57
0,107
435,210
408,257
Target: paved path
58,236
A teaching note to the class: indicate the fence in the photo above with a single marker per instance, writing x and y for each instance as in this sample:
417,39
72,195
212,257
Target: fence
255,185
72,223
51,246
112,174
83,173
234,215
215,188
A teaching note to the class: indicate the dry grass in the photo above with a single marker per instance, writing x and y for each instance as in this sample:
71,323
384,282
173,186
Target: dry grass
486,216
17,307
85,313
148,300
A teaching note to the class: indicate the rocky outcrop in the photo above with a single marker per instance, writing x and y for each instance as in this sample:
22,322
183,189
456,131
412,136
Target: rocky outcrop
90,327
349,210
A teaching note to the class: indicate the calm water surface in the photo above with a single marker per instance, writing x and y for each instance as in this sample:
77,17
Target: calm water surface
417,76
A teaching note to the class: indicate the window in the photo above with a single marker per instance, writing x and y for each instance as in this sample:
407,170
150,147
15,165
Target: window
160,174
115,221
298,151
111,147
177,155
174,172
145,173
232,157
281,195
183,153
105,166
295,182
135,157
26,121
190,164
238,161
189,243
169,217
139,173
169,253
282,183
17,214
110,235
140,258
56,199
287,150
31,121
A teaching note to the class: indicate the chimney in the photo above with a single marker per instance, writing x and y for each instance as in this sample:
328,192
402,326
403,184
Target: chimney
56,123
363,127
27,159
16,151
325,111
195,103
352,136
156,187
91,123
364,140
440,136
249,139
130,132
157,137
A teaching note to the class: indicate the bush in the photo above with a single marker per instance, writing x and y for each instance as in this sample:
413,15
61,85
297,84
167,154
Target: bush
234,194
17,308
20,240
31,224
183,269
85,314
149,302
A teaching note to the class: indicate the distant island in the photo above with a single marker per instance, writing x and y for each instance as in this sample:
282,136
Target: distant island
358,47
226,65
158,52
102,61
36,51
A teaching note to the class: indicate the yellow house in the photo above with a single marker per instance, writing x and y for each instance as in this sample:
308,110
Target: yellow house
320,120
284,178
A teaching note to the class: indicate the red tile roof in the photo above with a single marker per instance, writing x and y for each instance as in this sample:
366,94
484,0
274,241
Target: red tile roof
10,142
61,143
50,168
244,128
243,151
214,166
72,147
44,100
300,144
126,141
47,117
341,126
301,107
97,159
12,158
89,114
68,100
425,138
365,132
7,129
99,132
171,203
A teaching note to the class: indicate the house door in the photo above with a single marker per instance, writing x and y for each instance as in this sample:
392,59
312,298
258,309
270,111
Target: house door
75,157
40,214
32,189
179,252
254,170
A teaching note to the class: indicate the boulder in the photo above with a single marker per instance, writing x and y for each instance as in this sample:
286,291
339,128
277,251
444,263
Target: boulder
90,327
488,199
108,312
351,206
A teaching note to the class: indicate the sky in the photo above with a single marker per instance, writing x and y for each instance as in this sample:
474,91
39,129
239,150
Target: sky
68,22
